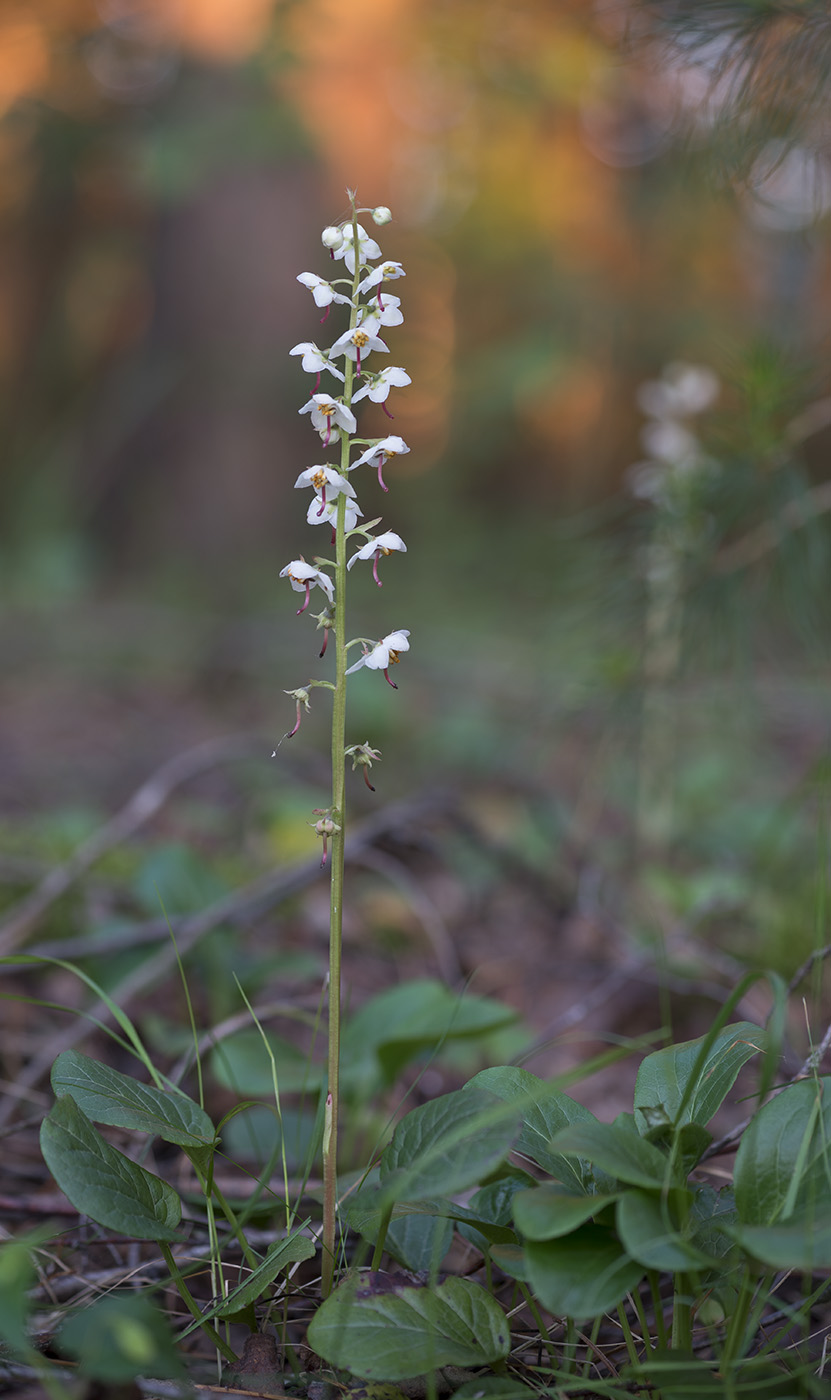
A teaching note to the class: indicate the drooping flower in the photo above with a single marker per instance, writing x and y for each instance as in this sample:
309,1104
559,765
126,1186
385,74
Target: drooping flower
382,452
363,757
325,827
322,291
375,548
384,654
328,414
355,343
304,577
315,361
301,695
325,621
379,385
332,237
371,317
325,481
384,272
368,248
322,512
381,214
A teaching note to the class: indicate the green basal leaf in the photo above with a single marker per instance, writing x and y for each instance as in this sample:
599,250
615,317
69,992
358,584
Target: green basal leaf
101,1182
704,1076
618,1149
365,1210
544,1112
447,1145
510,1258
397,1025
384,1328
647,1224
548,1212
803,1243
121,1337
783,1165
241,1064
17,1276
583,1275
106,1096
490,1210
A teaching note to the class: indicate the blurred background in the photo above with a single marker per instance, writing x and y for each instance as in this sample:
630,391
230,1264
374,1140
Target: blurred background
583,194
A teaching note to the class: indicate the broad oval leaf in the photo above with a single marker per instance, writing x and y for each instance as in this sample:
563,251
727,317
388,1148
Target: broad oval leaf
242,1063
118,1337
447,1145
649,1233
783,1165
800,1243
544,1111
107,1096
385,1328
548,1212
583,1275
399,1023
418,1234
365,1210
101,1182
618,1149
683,1074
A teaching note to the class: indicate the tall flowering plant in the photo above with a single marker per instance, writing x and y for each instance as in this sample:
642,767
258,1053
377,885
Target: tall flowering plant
351,361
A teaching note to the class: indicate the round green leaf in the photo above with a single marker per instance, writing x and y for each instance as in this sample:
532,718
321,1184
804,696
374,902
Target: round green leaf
583,1275
548,1212
649,1234
381,1327
447,1145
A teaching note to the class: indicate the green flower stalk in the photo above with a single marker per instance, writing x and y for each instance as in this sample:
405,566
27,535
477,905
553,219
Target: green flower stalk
334,504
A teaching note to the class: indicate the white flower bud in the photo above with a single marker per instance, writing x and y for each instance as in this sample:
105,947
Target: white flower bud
332,237
381,215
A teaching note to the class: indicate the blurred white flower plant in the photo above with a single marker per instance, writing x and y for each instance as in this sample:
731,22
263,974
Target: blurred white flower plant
671,479
333,503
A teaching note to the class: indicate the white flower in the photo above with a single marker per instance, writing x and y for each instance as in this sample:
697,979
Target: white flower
682,390
325,479
384,272
669,441
322,512
381,215
373,549
356,343
322,291
379,386
384,654
314,360
303,577
332,237
328,414
381,453
370,317
367,247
